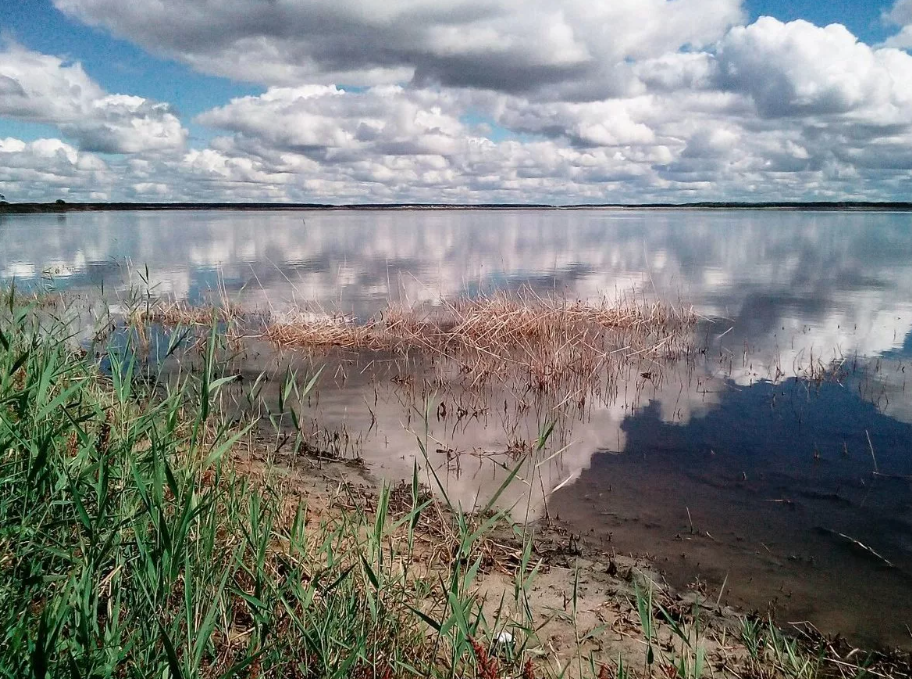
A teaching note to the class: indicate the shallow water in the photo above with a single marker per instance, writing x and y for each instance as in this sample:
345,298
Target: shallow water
731,466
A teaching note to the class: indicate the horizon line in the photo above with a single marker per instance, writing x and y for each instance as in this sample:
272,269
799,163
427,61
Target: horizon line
63,206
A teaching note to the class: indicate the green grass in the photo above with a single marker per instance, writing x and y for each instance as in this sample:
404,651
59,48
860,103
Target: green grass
129,550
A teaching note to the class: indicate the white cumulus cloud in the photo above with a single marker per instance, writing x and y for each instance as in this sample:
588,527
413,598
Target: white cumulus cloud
43,88
50,168
799,69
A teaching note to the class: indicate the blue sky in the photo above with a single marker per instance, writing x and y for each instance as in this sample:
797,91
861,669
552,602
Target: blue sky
815,98
862,17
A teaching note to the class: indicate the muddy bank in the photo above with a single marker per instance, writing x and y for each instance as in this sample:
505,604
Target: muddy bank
767,488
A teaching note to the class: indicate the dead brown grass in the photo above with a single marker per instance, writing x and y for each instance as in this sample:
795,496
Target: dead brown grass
547,342
173,314
312,329
496,324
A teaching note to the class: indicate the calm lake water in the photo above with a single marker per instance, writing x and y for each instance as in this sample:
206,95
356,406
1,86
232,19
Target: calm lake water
731,468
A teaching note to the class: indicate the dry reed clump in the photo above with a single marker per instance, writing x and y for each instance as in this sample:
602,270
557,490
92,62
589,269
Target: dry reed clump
173,314
307,329
503,320
499,324
546,342
552,337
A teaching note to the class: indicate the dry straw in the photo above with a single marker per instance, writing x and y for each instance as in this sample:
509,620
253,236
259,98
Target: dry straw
549,340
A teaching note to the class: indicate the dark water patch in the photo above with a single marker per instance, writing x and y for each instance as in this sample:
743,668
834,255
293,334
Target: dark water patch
905,351
774,493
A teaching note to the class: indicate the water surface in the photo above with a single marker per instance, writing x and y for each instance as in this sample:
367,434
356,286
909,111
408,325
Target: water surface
737,466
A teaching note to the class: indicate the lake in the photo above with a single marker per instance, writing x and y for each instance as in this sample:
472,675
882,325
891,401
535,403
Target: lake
774,464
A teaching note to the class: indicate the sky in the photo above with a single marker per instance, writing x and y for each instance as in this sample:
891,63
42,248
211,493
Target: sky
456,101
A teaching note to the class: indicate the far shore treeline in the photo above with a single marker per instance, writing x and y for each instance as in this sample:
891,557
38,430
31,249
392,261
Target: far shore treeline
61,206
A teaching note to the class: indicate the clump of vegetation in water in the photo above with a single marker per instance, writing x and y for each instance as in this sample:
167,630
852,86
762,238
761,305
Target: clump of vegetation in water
132,545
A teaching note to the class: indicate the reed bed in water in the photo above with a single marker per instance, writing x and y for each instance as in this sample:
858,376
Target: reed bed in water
174,313
512,327
544,344
312,329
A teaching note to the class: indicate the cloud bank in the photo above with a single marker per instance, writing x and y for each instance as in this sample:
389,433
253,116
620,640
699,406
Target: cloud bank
46,89
504,101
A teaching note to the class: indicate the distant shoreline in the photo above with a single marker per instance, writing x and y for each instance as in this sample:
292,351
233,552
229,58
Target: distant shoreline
31,208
